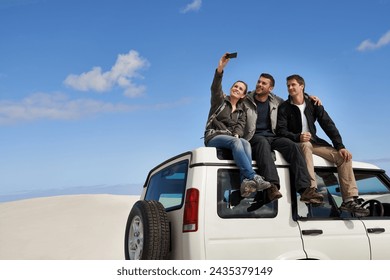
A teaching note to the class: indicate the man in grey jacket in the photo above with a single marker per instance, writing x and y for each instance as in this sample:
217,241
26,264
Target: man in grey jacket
262,110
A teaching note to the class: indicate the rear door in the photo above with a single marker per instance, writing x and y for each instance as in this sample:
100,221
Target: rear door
167,185
327,232
235,229
335,239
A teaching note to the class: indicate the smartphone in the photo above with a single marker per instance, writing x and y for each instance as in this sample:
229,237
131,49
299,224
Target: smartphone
231,55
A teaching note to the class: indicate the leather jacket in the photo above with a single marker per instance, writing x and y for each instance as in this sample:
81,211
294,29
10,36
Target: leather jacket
225,122
290,123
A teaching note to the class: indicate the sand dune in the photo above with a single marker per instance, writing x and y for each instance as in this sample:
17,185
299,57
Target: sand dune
73,227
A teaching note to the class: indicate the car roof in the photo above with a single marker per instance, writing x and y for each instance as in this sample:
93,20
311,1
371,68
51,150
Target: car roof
210,155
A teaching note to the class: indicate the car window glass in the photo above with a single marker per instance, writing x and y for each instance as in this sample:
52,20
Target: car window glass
168,185
232,205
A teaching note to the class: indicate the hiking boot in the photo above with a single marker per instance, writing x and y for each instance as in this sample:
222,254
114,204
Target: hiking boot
354,208
273,193
248,187
261,183
311,196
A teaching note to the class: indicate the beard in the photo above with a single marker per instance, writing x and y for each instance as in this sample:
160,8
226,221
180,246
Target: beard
261,93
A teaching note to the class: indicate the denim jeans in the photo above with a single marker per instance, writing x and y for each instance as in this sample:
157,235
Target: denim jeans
241,150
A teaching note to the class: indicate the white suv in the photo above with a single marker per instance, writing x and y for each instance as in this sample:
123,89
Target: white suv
191,208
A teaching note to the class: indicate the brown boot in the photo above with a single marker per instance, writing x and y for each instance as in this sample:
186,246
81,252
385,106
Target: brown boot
273,193
311,196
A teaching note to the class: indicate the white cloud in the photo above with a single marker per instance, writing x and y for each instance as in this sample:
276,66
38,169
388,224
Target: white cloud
369,45
194,6
55,107
58,106
122,74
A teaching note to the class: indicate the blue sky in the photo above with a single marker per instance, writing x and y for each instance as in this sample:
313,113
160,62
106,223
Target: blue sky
97,92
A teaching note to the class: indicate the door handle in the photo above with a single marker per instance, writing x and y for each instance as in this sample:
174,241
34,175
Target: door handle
375,230
312,231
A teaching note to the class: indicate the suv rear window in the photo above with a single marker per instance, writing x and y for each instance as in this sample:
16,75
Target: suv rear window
168,185
232,205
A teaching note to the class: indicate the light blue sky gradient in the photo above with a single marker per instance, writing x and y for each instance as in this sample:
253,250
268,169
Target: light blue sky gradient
97,92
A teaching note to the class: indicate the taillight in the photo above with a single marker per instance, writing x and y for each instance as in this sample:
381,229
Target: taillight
190,217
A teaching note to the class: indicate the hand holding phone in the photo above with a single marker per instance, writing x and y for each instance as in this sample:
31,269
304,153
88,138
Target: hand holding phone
231,55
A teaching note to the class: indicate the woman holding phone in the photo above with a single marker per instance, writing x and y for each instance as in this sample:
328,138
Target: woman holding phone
225,127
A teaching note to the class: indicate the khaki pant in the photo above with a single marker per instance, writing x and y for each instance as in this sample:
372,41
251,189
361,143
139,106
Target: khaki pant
344,168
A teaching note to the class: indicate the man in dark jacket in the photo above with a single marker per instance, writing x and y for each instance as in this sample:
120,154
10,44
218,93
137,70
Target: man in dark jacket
296,121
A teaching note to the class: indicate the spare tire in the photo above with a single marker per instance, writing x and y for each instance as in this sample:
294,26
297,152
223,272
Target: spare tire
147,235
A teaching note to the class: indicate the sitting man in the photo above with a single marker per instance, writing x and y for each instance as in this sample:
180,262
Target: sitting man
296,121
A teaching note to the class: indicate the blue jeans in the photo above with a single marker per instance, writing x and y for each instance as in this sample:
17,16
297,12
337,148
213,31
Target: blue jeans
241,150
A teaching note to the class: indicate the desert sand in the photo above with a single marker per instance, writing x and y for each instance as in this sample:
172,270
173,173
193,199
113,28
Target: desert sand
70,227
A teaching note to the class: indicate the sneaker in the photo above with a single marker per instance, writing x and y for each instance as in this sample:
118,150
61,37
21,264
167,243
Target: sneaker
273,193
261,183
248,187
311,196
354,208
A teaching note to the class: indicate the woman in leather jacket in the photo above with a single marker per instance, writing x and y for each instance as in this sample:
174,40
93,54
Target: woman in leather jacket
225,129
